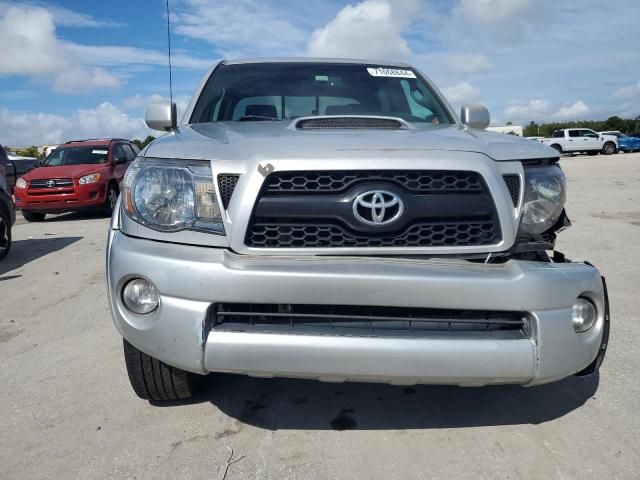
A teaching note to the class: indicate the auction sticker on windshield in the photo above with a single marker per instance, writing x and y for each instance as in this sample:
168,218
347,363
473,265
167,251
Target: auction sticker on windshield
99,152
390,72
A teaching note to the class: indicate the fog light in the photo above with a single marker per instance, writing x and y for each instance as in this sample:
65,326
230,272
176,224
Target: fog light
583,315
140,296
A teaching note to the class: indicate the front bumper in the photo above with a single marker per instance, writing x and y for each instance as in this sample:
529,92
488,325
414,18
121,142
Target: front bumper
190,279
60,200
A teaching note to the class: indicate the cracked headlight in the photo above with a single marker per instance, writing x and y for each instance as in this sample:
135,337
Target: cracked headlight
544,197
171,195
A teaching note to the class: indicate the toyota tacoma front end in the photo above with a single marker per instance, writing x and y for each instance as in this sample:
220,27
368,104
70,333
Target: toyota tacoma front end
334,220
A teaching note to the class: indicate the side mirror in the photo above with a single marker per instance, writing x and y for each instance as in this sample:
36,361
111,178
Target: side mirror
119,160
161,116
475,116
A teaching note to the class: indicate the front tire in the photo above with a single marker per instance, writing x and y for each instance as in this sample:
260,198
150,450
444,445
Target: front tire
5,234
557,148
110,200
609,148
33,216
152,379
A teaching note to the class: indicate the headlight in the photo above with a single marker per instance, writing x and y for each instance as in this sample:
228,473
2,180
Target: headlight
171,195
21,183
87,179
544,197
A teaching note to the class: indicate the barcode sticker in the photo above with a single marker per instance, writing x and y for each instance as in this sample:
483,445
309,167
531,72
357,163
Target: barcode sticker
390,72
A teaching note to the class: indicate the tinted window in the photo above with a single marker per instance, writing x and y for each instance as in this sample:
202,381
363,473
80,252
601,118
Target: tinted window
588,133
574,133
285,91
118,152
129,153
77,156
558,134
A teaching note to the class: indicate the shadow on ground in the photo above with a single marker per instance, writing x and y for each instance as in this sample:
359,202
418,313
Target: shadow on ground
63,217
25,251
275,404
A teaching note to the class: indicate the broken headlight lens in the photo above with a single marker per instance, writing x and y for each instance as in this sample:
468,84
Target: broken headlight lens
171,195
544,197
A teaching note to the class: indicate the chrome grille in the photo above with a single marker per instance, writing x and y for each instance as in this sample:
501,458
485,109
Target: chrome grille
45,183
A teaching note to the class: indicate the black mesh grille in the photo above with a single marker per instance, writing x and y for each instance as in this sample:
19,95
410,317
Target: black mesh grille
227,184
425,181
349,123
368,320
314,209
513,184
57,183
328,236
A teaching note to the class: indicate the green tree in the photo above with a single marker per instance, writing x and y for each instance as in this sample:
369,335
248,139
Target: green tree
143,143
28,152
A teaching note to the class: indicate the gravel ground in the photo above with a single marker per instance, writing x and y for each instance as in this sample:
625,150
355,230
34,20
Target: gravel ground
67,411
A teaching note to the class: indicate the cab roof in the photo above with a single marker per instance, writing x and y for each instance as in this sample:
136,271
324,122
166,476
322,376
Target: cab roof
315,60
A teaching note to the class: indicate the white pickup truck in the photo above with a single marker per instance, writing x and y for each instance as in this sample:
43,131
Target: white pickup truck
574,140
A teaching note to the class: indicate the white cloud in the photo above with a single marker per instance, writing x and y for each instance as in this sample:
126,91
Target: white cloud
543,110
31,48
107,56
461,93
106,120
62,16
467,63
505,20
138,103
578,110
238,26
370,29
631,91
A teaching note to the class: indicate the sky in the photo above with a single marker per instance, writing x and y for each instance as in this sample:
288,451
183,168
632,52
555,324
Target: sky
78,69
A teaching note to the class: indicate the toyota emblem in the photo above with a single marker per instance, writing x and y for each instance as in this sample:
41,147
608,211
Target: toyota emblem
51,183
377,207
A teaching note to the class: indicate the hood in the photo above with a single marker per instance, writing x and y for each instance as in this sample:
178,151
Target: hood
280,140
64,171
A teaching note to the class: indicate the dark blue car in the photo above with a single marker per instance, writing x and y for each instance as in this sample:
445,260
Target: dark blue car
626,143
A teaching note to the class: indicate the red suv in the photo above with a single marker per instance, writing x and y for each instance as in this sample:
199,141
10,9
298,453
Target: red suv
79,175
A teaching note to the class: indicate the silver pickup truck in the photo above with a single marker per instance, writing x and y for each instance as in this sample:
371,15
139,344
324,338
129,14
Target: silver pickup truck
335,220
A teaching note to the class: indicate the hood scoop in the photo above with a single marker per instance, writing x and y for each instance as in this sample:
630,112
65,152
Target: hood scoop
350,123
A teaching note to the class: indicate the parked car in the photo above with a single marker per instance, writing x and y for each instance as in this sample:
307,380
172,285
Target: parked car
582,140
79,175
14,167
334,220
7,212
626,143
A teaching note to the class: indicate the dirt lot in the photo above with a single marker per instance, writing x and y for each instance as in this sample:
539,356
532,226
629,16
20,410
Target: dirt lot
67,411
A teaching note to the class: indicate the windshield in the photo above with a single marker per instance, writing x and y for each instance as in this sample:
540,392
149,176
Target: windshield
77,156
285,91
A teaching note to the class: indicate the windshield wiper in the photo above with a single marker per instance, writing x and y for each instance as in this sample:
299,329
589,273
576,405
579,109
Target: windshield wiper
257,118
